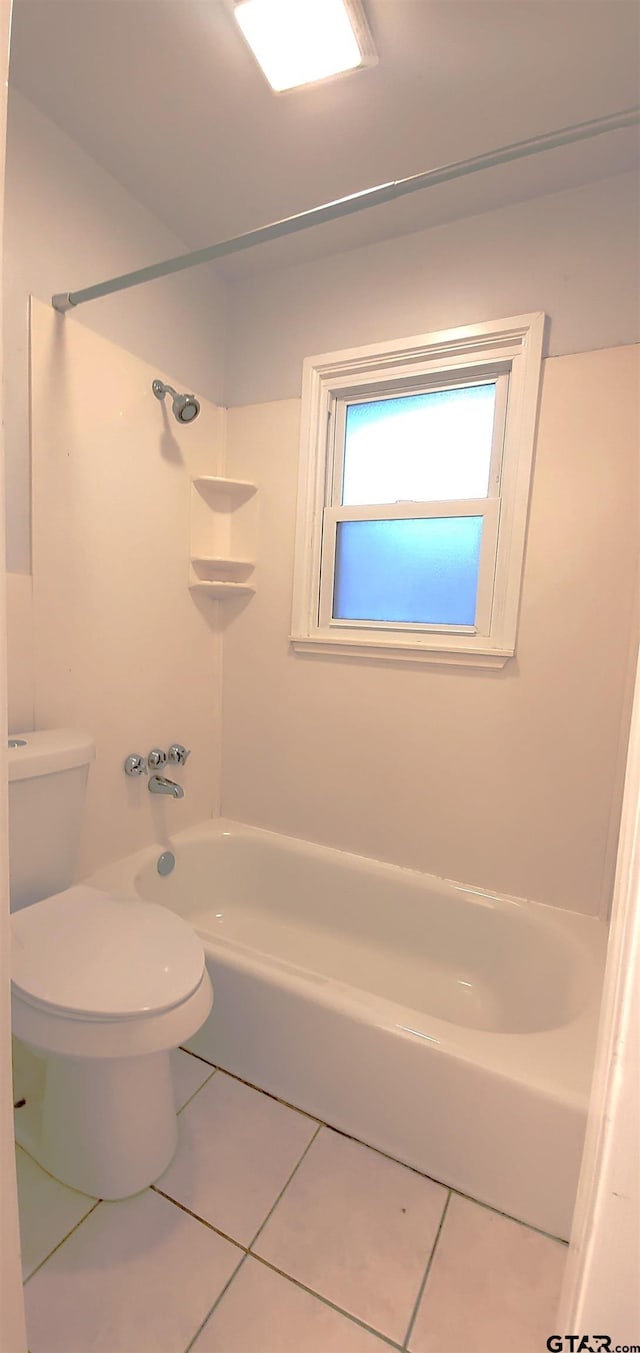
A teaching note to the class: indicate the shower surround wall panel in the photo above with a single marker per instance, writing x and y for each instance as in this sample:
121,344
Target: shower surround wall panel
67,223
121,647
509,779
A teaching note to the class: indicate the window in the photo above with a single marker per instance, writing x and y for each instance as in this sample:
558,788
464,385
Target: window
415,471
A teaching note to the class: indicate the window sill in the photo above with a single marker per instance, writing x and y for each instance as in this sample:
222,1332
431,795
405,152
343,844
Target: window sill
390,650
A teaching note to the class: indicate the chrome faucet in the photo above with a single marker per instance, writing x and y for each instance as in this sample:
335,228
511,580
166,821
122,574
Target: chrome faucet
158,784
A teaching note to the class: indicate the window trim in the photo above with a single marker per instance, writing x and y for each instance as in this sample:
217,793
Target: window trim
428,361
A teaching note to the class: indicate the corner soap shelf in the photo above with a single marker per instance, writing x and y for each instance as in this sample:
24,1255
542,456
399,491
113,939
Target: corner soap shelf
222,527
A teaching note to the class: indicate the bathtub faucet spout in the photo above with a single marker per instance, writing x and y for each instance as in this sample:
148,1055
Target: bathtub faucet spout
158,784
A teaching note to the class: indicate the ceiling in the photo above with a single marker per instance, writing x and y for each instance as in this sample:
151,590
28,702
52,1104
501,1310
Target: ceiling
165,96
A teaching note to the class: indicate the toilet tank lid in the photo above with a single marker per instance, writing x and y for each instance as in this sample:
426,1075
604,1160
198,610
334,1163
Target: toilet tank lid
48,750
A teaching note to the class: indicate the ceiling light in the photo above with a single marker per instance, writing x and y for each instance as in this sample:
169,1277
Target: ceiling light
297,42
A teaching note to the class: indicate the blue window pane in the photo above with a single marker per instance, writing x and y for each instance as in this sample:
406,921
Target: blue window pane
420,448
420,571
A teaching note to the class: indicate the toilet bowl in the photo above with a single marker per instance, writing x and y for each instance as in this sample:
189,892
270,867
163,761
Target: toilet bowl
104,988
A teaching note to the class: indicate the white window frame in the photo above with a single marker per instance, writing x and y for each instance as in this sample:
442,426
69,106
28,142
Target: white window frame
509,351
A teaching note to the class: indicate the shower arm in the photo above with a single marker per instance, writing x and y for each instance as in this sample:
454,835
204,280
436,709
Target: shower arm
347,206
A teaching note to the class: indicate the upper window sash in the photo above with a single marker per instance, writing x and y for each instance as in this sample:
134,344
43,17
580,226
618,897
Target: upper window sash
337,421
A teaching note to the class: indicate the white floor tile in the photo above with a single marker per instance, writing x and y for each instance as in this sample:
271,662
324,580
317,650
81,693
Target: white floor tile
188,1075
264,1313
236,1151
48,1211
494,1286
137,1276
357,1228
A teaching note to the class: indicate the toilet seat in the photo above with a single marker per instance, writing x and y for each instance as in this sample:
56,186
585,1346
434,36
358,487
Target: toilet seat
85,955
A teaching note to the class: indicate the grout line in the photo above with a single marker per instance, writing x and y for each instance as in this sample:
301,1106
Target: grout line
386,1155
196,1092
196,1216
528,1226
326,1301
283,1190
422,1174
249,1253
197,1056
423,1284
61,1242
441,1184
268,1095
216,1303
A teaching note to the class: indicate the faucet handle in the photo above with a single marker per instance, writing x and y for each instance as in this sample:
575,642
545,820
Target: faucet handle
156,758
178,754
135,765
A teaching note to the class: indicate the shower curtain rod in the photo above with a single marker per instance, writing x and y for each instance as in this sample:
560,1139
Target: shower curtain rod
347,206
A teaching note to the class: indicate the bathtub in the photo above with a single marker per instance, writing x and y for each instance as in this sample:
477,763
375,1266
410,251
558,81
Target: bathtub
449,1027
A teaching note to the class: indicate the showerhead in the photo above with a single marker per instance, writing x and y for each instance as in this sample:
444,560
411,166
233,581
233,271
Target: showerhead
185,407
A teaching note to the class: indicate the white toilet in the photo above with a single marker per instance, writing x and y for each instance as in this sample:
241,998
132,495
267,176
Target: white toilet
102,988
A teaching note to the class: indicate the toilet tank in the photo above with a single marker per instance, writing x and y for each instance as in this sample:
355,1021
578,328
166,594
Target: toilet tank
48,773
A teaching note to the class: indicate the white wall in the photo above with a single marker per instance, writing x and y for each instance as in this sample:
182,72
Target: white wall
69,224
573,255
508,780
12,1330
20,690
601,1289
122,649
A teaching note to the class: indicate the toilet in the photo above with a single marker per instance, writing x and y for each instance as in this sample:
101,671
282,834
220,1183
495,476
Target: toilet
103,988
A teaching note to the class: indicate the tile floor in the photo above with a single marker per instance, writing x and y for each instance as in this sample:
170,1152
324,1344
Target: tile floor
271,1233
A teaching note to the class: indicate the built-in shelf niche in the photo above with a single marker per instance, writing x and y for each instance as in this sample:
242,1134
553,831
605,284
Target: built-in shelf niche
223,532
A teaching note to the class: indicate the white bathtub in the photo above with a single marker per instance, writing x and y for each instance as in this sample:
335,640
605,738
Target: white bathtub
451,1028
